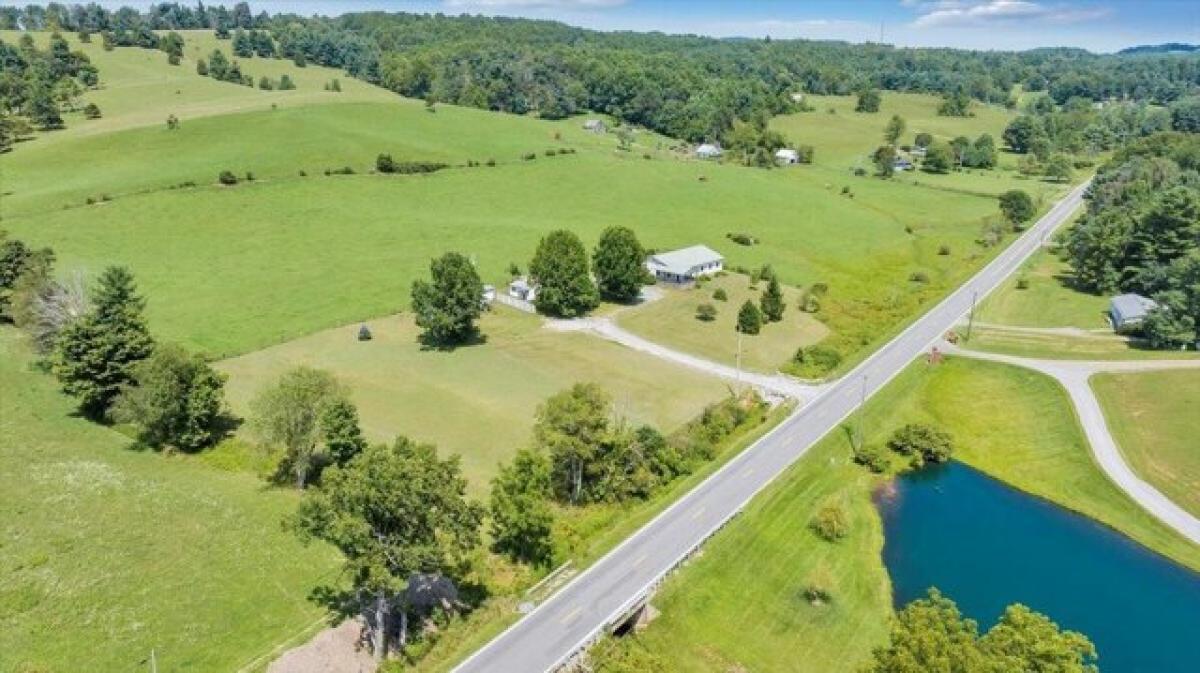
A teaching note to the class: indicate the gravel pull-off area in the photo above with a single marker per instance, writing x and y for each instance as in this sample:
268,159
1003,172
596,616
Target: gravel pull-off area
334,650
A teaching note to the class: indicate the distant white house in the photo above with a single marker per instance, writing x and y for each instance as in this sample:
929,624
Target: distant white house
708,151
686,264
595,125
787,156
522,289
1128,310
797,98
902,164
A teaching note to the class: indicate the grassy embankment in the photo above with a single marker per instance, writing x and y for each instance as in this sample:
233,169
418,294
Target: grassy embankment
1153,417
740,603
109,553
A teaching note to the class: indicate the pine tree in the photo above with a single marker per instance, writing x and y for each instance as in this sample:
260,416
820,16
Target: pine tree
772,303
340,432
95,356
749,320
618,262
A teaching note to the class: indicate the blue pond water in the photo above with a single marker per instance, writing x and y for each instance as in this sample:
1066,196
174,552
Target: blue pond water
987,545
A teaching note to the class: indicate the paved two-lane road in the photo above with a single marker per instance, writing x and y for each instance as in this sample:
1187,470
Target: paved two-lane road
548,636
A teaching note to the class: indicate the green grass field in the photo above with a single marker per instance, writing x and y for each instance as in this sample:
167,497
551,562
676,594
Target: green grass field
1157,431
109,553
477,401
1048,301
1054,346
738,606
672,321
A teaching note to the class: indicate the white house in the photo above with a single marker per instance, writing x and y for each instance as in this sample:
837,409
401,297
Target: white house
708,151
902,164
1128,310
522,289
595,125
686,264
797,98
787,156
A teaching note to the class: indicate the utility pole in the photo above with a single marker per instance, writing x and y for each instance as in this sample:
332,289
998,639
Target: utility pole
971,316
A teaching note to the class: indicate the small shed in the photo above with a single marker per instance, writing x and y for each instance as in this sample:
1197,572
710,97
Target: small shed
1128,310
797,98
489,294
522,289
902,164
708,151
595,126
787,156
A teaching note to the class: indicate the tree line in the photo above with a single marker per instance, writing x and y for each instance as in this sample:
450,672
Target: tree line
36,85
1141,233
687,87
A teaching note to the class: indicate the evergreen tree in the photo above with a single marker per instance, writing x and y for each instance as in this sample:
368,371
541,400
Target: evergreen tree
202,67
286,83
95,356
560,270
619,262
448,305
522,520
749,318
340,433
43,111
772,303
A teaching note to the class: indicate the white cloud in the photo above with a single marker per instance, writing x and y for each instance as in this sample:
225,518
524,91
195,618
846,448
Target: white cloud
984,12
536,4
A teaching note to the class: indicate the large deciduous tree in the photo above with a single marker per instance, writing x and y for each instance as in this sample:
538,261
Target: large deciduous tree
560,269
619,263
571,427
448,305
893,130
396,512
1016,206
289,414
176,400
95,355
521,518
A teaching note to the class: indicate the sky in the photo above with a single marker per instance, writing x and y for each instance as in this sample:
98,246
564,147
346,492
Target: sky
1097,25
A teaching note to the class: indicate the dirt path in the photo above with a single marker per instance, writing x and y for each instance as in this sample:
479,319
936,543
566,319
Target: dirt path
1074,377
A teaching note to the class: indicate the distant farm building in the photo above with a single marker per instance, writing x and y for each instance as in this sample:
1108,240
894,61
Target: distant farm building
595,125
902,164
708,151
797,98
489,294
686,264
1127,311
522,289
917,151
787,156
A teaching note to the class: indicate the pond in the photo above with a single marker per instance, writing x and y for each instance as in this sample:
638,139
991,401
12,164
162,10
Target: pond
986,545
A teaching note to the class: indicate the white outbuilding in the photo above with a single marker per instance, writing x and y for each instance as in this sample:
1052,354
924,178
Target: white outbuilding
686,264
708,151
523,289
1127,311
787,156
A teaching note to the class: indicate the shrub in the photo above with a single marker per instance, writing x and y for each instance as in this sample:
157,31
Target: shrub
872,457
706,312
91,111
286,83
551,152
249,176
490,162
943,250
227,178
385,164
344,170
741,238
923,443
830,523
646,157
820,358
529,156
918,277
1022,283
820,289
303,174
818,589
720,295
860,172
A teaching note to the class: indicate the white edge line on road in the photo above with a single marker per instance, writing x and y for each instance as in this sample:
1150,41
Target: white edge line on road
1033,232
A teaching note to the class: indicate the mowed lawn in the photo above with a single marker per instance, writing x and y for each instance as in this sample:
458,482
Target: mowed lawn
1049,300
109,553
672,321
1153,416
1055,345
740,604
477,401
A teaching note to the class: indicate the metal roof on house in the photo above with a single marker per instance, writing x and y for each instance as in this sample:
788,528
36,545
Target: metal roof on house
1126,307
708,148
682,261
787,153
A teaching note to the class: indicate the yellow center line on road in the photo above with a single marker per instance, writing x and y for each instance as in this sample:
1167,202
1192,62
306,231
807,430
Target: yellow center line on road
572,615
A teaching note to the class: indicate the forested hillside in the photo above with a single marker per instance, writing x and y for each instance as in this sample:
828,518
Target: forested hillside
685,86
